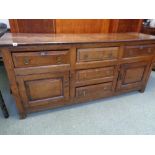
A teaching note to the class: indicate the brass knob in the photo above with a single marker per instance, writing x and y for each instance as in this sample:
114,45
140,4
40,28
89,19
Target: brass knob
26,60
43,53
104,88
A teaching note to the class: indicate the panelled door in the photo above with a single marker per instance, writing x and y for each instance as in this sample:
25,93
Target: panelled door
132,75
42,89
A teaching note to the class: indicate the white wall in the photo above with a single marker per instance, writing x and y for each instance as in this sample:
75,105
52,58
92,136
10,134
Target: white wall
6,21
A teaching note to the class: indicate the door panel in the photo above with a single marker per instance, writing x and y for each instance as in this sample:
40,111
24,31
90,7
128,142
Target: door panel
40,89
44,88
132,75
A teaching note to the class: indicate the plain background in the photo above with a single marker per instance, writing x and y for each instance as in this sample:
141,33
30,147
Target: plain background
72,145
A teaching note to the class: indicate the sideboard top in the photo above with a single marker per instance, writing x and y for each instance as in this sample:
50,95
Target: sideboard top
15,39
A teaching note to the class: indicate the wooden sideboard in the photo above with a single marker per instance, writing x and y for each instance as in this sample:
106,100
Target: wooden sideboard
52,70
151,31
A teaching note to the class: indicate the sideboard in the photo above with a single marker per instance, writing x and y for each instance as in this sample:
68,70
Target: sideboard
53,70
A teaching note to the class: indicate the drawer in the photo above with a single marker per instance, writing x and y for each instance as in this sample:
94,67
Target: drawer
136,51
94,90
30,59
97,54
97,73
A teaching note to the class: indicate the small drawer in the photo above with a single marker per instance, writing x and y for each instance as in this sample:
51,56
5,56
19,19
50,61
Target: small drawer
97,54
97,73
94,90
136,51
44,58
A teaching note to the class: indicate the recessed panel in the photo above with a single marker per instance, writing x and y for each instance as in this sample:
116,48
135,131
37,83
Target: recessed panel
44,89
97,54
133,75
97,73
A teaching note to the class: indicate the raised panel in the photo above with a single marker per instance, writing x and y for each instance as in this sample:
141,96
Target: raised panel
42,89
94,90
137,51
89,74
133,75
45,88
97,54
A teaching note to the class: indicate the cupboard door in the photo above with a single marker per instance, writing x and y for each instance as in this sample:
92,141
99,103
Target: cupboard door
132,75
42,89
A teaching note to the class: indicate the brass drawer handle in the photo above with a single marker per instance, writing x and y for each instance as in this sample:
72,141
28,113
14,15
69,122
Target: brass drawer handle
149,51
26,60
141,47
58,59
43,53
84,93
105,88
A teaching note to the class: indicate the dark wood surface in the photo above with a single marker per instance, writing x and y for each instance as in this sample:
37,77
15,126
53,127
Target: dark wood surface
75,25
48,71
33,39
151,31
32,25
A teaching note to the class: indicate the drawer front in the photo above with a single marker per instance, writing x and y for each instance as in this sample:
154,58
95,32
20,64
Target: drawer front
94,90
136,51
97,73
97,54
30,59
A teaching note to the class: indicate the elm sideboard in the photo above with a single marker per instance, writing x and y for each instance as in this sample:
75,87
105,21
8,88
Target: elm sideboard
53,70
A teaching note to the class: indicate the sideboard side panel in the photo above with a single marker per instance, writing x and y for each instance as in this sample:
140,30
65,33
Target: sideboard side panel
11,76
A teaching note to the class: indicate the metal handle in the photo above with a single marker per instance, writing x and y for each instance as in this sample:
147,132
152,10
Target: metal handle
105,88
43,53
84,93
149,51
26,60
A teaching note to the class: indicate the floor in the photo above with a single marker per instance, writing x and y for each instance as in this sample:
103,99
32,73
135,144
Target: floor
132,113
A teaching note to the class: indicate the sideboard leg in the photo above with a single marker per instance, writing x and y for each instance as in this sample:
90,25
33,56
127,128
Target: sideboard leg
142,90
22,115
3,107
